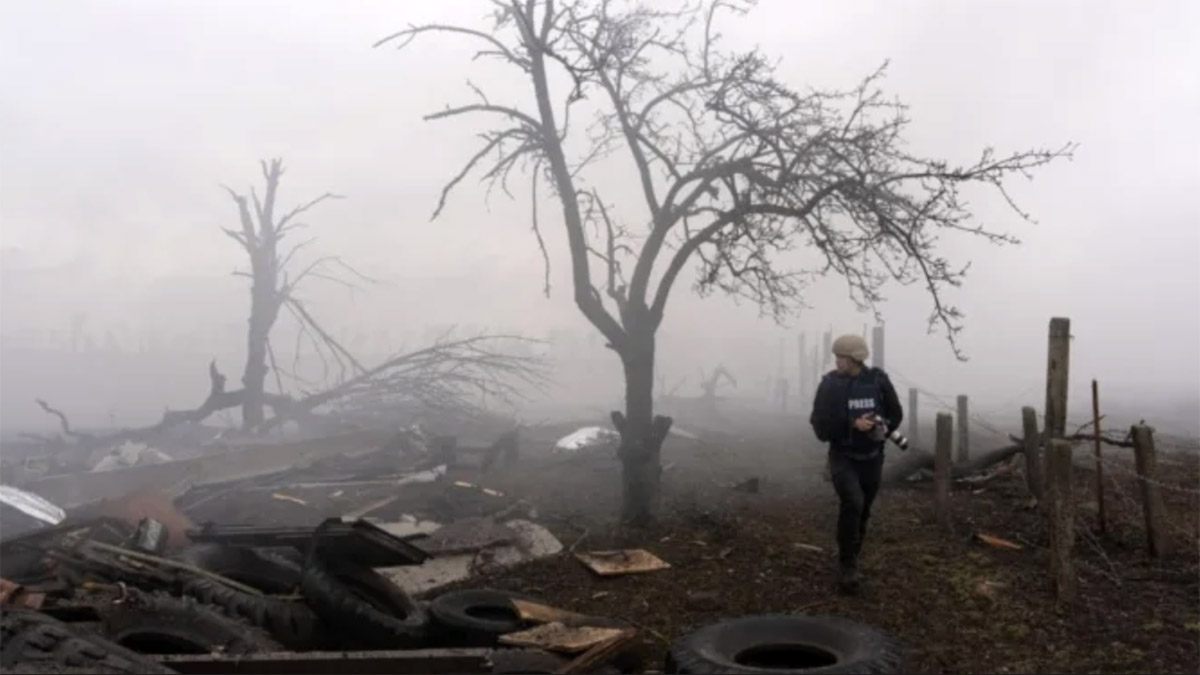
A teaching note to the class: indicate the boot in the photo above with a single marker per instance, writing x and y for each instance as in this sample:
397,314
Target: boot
848,581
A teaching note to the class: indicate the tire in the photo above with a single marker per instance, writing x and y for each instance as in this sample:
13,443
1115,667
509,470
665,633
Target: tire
474,617
367,610
534,662
268,572
161,624
787,644
292,623
36,643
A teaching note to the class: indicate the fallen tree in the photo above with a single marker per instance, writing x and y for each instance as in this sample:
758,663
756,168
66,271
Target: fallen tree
455,375
915,460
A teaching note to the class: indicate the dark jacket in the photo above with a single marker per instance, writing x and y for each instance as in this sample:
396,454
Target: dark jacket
833,420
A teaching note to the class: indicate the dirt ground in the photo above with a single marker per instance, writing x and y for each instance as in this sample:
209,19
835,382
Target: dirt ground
959,605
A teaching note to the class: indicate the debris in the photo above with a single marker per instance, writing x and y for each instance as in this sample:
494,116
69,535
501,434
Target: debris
626,561
409,526
133,508
373,506
809,547
558,637
288,498
464,484
531,542
130,454
991,540
14,594
587,438
599,653
150,536
31,505
492,493
536,612
361,541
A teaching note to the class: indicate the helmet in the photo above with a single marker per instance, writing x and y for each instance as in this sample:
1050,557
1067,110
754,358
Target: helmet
851,346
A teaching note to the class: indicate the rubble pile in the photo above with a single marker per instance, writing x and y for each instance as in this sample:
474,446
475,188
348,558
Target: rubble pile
132,585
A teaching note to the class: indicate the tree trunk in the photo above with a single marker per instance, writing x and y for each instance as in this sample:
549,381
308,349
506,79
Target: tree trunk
642,433
262,316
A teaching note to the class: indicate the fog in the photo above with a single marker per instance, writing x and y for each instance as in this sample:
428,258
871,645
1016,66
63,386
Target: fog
121,119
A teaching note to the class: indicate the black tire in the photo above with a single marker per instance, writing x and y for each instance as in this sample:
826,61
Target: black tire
268,572
292,623
787,644
534,662
366,609
161,624
474,617
36,643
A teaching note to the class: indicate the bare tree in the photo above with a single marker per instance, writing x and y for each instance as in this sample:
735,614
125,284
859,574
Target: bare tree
733,166
261,233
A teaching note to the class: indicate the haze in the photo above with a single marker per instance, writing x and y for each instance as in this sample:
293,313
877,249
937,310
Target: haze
120,120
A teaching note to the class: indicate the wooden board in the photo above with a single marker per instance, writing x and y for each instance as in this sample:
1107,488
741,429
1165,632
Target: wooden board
627,561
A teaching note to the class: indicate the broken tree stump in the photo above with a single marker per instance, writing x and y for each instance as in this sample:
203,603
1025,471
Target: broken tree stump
1152,500
1031,444
1060,515
964,431
942,469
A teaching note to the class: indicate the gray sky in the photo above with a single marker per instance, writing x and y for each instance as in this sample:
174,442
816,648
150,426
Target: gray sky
120,118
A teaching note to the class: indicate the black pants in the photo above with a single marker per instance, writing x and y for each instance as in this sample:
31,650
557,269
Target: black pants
856,482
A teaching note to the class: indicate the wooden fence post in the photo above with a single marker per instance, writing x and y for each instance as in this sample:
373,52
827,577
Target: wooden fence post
964,430
1060,514
1099,460
1032,444
877,346
1058,366
942,468
914,435
1152,500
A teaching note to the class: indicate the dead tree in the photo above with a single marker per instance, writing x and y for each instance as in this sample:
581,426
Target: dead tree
733,166
261,234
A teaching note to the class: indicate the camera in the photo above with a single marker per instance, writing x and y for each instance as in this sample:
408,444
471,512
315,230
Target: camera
881,432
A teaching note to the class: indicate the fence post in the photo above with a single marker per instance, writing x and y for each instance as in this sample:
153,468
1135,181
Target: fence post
1060,513
1057,378
1152,500
1099,460
964,430
877,346
942,467
1032,445
914,435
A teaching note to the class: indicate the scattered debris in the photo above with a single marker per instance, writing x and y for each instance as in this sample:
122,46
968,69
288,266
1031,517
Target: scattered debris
559,637
626,561
588,438
288,498
809,547
129,454
997,542
31,505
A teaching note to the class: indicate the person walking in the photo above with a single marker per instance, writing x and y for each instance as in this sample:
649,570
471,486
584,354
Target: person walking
854,407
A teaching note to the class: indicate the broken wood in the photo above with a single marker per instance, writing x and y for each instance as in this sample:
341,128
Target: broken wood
626,561
558,637
601,653
1060,514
